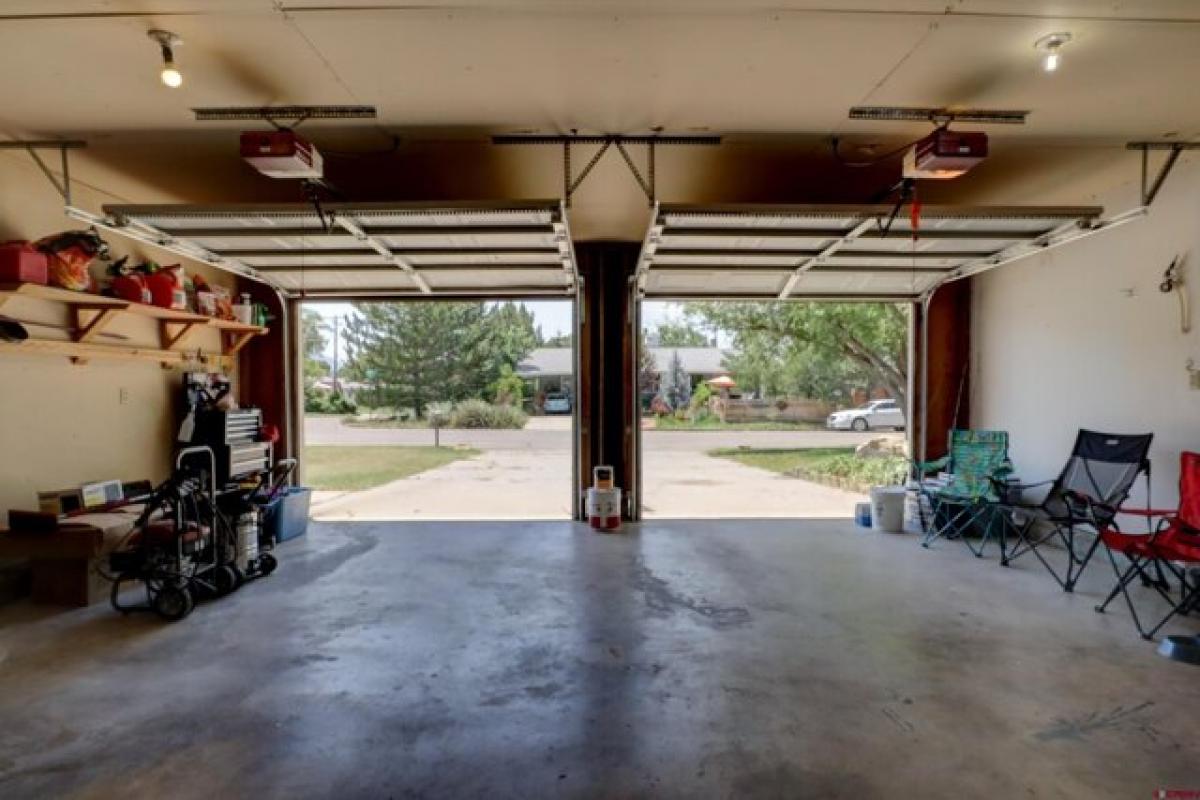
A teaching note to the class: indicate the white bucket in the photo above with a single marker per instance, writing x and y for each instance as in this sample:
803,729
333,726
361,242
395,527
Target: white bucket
915,505
887,509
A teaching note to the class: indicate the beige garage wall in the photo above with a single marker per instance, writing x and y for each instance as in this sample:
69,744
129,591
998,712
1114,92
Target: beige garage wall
63,424
1081,336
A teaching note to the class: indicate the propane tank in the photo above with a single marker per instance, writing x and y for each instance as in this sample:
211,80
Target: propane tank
603,506
247,539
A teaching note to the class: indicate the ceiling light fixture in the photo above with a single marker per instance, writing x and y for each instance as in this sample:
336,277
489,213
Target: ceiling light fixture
1050,45
170,75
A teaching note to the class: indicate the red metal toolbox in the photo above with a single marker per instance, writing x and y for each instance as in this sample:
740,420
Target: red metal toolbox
20,263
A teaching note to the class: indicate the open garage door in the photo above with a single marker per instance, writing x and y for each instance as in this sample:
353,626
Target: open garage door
780,410
839,252
374,438
371,250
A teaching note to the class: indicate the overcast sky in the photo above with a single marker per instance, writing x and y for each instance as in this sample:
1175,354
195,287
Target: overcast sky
554,316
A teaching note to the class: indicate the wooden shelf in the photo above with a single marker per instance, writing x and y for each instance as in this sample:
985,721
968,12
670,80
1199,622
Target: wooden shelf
92,313
65,296
82,352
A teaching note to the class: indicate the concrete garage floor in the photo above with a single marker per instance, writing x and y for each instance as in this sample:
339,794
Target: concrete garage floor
684,659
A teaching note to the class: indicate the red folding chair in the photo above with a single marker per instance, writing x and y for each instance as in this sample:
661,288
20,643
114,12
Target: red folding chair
1170,553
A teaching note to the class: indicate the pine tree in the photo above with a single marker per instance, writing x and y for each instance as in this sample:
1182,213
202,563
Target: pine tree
418,353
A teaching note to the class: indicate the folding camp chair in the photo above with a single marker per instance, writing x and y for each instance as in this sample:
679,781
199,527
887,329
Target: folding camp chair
1084,499
1173,549
977,462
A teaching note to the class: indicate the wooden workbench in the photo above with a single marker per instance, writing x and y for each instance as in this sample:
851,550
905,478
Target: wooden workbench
64,562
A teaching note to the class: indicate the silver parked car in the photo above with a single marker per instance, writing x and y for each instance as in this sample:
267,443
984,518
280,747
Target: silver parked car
557,403
870,415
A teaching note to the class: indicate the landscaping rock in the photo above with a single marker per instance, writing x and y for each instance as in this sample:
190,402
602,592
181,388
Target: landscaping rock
882,447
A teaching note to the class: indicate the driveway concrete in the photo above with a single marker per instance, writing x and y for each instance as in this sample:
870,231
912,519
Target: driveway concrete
496,484
554,434
527,475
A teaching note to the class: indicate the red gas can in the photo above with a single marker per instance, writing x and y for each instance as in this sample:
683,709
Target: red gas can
20,263
166,287
132,287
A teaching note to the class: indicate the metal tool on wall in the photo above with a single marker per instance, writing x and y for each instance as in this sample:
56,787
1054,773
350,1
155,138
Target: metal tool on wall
1173,282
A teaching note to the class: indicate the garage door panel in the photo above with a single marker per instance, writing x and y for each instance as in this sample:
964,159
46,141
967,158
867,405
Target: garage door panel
495,279
343,279
868,283
472,248
838,251
718,282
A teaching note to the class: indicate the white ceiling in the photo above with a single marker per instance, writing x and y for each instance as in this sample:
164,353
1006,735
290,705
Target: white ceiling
777,74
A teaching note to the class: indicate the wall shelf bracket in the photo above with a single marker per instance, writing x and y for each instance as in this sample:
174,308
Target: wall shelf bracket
32,146
1151,186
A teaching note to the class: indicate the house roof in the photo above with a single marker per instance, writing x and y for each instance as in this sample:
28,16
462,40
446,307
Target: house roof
695,360
546,361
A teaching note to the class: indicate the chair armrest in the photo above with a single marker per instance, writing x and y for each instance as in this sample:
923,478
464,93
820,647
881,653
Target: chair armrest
1149,512
1024,486
932,466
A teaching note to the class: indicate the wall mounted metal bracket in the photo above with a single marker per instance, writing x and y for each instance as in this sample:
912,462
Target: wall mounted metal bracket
32,146
1175,149
572,182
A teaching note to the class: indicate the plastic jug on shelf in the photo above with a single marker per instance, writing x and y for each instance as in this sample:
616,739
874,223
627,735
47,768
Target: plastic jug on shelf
243,312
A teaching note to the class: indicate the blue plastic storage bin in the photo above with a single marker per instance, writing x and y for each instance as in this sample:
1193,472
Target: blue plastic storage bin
286,517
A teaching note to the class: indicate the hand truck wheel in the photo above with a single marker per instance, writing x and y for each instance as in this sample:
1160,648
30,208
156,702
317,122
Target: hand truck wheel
239,576
267,564
225,578
173,603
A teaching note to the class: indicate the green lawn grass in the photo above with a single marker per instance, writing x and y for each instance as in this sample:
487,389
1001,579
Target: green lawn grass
352,469
835,466
715,424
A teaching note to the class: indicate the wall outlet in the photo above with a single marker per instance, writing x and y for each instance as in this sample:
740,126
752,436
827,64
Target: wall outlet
1194,379
123,396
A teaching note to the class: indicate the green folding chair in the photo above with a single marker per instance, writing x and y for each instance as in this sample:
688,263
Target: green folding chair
977,465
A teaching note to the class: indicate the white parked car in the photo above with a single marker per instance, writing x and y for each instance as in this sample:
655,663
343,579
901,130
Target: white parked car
873,414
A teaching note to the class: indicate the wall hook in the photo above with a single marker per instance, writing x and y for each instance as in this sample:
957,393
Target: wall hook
1172,281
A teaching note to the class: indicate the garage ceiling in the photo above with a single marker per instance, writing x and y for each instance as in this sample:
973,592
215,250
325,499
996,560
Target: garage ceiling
774,77
362,250
839,252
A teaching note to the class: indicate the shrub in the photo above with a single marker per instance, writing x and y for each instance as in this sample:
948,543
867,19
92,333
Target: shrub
700,397
509,388
315,402
340,404
480,414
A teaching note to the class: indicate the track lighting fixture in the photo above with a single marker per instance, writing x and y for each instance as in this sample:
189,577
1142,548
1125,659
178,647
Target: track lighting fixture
167,41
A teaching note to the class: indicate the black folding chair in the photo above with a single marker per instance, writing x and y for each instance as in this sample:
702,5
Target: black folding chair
1084,499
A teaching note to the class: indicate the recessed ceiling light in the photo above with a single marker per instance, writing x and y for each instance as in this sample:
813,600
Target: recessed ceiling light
167,41
1051,46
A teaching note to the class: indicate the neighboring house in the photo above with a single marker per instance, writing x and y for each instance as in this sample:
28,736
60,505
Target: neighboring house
550,368
348,388
701,363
